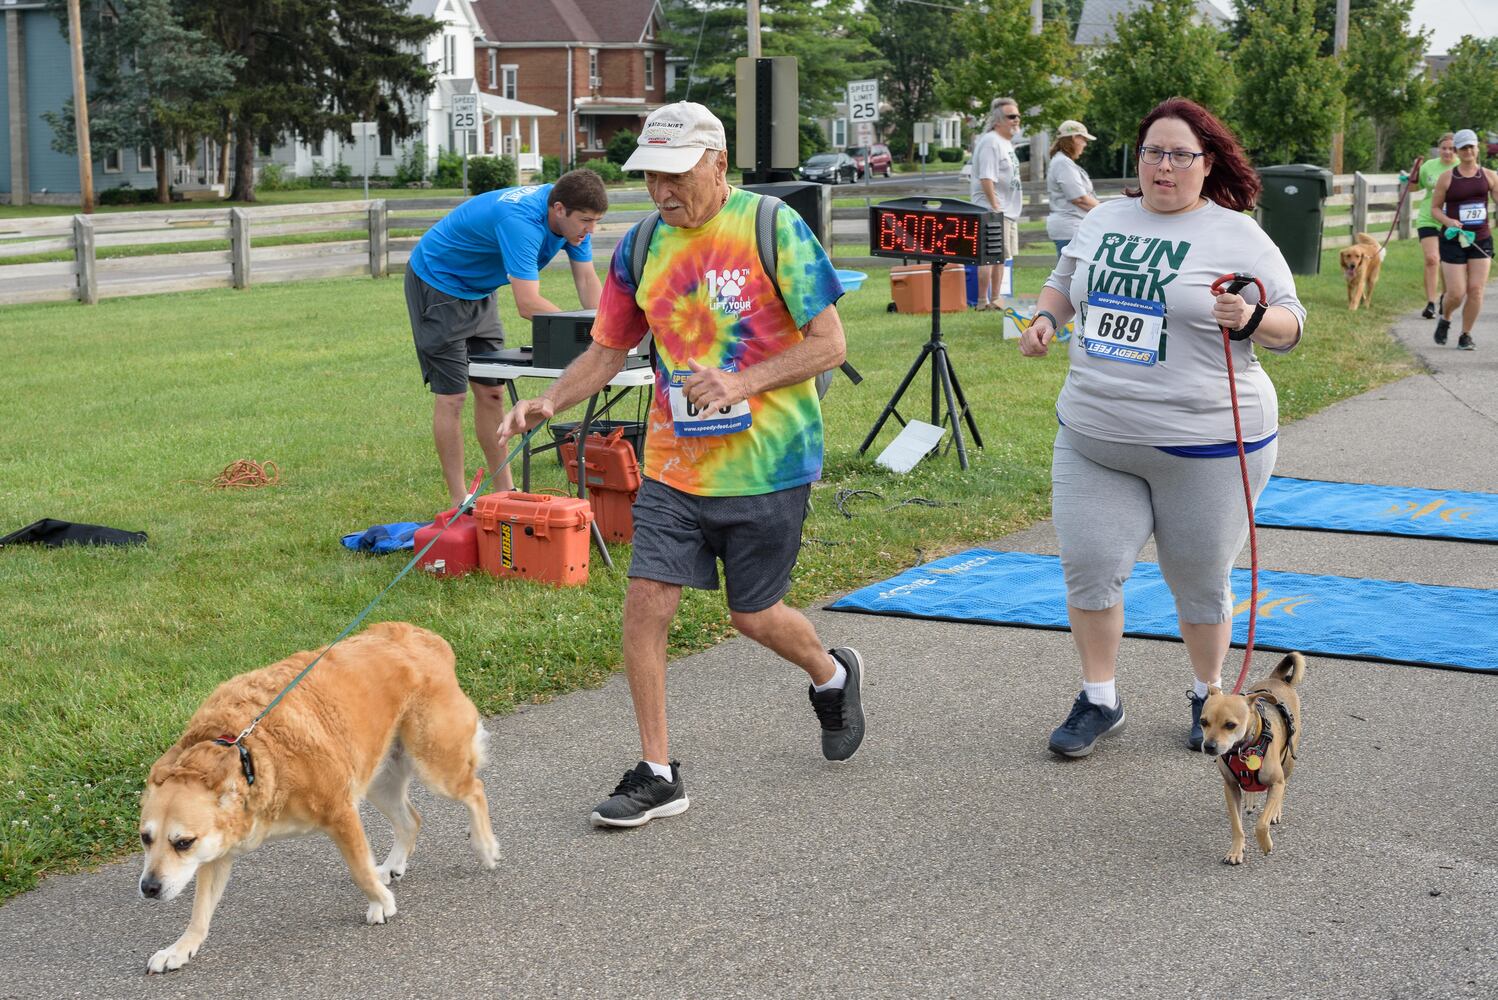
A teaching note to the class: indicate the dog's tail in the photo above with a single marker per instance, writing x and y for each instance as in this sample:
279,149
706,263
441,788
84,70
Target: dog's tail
1291,670
1365,240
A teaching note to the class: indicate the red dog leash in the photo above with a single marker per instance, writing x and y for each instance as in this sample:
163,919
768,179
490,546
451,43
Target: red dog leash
1233,284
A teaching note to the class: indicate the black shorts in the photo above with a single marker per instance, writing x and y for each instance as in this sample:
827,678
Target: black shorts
1428,232
446,330
679,539
1453,252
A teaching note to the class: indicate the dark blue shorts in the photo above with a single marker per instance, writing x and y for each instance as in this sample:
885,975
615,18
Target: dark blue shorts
680,539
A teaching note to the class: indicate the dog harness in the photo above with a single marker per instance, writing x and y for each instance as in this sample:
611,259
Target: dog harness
1244,761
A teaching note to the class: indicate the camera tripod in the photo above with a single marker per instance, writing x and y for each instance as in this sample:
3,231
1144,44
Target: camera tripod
944,383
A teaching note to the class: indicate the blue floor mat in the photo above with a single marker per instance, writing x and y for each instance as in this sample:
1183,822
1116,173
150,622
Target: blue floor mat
1365,509
1384,620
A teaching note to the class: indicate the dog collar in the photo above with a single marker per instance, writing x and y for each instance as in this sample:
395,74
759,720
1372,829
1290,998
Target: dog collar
246,762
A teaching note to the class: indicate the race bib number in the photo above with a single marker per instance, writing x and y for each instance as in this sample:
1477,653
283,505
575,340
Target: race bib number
1119,328
689,421
1472,213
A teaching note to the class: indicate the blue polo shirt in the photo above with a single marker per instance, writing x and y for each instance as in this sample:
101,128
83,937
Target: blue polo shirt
489,239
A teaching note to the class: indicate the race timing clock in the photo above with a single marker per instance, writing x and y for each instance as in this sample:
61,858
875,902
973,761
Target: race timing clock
937,229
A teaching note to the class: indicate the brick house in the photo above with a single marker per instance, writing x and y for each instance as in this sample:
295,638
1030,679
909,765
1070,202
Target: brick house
600,64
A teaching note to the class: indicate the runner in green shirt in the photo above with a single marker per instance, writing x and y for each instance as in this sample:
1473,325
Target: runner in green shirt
1423,174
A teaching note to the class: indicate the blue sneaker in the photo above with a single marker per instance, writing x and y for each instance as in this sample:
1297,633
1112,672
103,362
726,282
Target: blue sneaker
1195,740
1086,724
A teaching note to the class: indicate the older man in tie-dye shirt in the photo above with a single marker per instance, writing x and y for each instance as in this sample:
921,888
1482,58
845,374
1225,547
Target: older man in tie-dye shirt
735,435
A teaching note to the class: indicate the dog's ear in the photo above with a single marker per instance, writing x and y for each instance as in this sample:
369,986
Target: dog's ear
1213,689
163,767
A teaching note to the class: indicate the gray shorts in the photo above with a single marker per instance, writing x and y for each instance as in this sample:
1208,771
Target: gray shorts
1108,499
446,330
679,539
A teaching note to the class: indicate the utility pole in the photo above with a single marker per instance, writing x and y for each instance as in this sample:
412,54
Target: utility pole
1036,15
1339,45
753,29
80,109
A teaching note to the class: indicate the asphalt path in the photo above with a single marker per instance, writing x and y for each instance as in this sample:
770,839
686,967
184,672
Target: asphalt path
954,856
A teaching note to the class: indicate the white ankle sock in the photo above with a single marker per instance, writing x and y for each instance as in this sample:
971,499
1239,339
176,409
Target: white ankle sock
839,678
1103,693
661,770
1199,688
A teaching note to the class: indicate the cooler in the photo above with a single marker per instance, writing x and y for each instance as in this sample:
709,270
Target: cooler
534,537
910,287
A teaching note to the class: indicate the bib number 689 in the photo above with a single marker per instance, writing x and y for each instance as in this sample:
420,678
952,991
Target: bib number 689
1119,326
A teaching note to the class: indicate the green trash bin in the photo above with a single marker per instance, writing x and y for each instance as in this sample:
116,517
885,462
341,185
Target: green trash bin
1291,212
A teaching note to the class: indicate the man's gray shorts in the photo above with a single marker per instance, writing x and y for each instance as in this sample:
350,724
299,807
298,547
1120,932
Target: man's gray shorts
679,539
446,330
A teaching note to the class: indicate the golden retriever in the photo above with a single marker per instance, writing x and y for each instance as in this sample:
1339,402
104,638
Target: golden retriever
380,707
1361,263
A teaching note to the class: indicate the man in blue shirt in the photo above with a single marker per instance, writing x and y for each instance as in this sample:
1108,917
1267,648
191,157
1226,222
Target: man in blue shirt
494,239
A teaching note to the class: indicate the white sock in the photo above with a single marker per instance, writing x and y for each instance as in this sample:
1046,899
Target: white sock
1199,688
839,678
1102,693
661,770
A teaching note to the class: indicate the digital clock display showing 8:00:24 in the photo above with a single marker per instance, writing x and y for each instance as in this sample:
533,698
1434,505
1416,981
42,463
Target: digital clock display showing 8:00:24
938,235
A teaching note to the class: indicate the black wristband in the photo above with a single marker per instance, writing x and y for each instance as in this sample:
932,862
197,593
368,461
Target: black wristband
1251,325
1055,324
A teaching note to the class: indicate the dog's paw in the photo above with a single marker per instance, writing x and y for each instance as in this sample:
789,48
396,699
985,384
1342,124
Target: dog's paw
377,912
1266,843
169,959
389,873
1234,857
488,852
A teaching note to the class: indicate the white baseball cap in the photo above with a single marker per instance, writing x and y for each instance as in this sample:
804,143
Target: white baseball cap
675,137
1466,137
1072,127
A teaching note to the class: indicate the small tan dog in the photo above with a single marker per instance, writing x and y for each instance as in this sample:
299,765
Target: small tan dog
381,706
1361,263
1254,737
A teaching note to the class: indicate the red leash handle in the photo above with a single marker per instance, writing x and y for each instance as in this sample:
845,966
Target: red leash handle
1233,284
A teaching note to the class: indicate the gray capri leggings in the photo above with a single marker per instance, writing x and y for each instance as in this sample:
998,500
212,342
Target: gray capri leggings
1107,499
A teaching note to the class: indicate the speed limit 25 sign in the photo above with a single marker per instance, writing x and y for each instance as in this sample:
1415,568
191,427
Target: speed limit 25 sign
863,100
465,112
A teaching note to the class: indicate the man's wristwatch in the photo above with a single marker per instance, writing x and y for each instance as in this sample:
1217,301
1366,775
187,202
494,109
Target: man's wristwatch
1055,323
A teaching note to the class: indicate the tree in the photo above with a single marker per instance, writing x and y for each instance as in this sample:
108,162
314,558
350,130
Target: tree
1467,92
1289,95
154,84
1157,52
1323,15
1385,63
307,67
1003,59
831,40
918,43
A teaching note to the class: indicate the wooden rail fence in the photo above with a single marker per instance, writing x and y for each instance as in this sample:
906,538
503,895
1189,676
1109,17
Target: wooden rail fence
241,246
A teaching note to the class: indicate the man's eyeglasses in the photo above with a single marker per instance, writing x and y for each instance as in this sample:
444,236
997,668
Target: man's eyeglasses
1013,118
1181,159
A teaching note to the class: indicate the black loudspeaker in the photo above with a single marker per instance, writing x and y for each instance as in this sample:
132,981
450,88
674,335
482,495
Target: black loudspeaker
557,338
813,202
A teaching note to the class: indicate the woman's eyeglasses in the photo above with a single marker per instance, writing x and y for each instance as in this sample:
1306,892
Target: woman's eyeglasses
1181,159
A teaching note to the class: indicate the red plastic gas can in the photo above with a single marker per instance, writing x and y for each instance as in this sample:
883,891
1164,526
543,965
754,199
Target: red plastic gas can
456,551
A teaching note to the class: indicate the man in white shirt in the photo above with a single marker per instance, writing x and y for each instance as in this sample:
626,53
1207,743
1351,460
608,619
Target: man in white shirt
995,185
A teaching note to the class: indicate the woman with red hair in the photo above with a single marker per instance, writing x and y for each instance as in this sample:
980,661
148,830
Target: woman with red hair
1146,445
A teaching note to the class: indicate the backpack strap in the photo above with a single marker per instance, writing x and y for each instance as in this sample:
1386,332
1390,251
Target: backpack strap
638,250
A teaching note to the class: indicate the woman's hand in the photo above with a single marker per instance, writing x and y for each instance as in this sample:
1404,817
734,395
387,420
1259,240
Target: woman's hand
1231,311
1035,339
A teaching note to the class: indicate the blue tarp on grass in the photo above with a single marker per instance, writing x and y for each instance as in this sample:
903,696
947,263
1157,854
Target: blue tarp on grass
1383,620
1366,509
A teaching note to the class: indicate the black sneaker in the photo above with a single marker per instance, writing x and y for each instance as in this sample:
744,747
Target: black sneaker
1466,343
1442,325
642,796
841,711
1086,724
1429,312
1194,741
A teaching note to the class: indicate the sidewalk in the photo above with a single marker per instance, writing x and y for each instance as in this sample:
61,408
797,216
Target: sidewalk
955,856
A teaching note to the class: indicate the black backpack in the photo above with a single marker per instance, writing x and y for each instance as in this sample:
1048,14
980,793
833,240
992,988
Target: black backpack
769,256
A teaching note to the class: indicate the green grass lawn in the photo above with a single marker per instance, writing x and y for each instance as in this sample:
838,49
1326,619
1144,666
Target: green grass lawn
119,413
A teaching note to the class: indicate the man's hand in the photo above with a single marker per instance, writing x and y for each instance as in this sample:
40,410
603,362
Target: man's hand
523,416
706,388
1035,339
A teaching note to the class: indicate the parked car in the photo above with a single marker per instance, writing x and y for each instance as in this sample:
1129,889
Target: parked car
830,168
876,156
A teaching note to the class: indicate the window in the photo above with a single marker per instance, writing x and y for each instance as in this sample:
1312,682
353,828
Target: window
449,54
493,68
112,162
509,82
649,70
839,132
593,80
145,159
387,142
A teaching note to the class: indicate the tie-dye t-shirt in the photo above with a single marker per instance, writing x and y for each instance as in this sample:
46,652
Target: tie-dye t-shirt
706,298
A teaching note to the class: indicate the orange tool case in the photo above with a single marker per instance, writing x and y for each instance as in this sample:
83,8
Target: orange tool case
533,536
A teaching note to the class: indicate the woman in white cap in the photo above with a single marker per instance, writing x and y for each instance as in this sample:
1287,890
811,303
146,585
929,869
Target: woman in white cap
1460,205
1067,184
